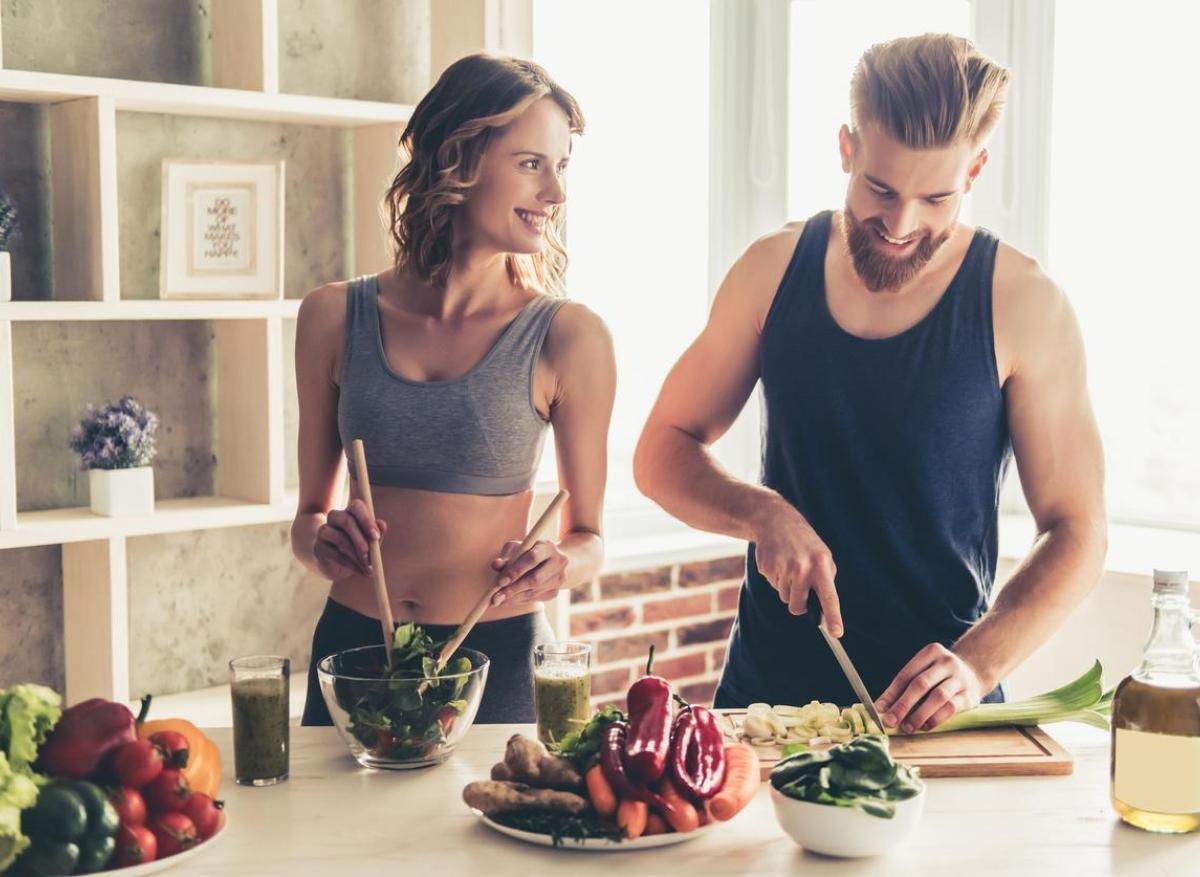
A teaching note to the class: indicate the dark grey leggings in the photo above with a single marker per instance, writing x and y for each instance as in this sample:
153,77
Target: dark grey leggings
508,643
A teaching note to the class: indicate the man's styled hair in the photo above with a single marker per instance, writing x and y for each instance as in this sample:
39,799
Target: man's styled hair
928,91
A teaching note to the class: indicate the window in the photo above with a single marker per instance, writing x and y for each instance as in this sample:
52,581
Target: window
827,38
637,190
1122,236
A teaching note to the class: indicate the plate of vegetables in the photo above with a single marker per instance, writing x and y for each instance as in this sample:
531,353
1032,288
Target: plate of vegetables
92,788
658,776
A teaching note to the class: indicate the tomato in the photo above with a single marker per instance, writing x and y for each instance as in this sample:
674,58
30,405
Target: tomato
446,717
174,745
204,758
205,814
136,845
130,805
174,833
170,792
137,763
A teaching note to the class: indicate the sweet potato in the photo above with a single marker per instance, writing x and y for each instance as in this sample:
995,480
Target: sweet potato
530,762
490,796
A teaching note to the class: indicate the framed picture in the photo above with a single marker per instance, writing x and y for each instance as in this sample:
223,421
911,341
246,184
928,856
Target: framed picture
222,230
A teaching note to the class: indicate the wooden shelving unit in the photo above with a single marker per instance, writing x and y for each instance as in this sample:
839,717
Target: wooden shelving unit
249,480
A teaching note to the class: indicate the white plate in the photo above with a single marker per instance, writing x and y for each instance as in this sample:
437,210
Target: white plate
600,844
170,861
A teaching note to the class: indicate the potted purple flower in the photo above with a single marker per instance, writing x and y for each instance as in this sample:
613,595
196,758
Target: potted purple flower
115,445
8,233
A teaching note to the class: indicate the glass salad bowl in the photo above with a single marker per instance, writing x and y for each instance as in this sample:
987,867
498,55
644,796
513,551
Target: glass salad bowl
403,719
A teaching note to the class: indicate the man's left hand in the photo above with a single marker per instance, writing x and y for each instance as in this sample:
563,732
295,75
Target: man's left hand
931,688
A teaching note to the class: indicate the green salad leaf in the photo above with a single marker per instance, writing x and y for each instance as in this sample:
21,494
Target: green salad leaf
860,773
406,712
560,826
793,749
27,714
582,747
17,792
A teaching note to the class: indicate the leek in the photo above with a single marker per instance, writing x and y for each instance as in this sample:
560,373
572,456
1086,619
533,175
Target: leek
1083,700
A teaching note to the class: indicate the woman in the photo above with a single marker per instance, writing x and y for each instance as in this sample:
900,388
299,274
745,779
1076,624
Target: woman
449,367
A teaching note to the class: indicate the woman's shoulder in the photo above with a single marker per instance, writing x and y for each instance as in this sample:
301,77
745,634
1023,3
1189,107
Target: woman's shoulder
325,303
321,323
577,336
574,322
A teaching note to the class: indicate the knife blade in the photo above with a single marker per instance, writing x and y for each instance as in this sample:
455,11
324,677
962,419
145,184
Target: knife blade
843,659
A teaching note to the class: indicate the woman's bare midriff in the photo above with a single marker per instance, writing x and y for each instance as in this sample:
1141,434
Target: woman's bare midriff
437,554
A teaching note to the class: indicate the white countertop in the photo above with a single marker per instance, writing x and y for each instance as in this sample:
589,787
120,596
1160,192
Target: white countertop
333,818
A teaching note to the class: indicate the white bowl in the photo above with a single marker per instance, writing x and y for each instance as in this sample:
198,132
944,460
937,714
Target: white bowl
845,831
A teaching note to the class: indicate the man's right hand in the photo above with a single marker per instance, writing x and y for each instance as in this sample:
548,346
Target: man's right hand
342,544
792,557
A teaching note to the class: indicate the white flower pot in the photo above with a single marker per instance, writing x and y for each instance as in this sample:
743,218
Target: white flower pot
5,277
121,492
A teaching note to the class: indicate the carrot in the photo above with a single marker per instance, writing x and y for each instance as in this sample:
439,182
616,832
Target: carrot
655,824
632,816
600,792
679,812
742,780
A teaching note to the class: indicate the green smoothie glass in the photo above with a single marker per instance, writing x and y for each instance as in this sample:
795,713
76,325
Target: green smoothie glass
562,688
259,689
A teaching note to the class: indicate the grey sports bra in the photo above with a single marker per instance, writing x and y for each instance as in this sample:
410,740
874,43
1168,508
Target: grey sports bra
478,433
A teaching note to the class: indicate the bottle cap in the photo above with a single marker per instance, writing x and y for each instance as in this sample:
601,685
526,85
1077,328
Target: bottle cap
1170,581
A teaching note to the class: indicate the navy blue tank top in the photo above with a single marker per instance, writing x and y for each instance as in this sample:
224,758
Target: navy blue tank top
894,450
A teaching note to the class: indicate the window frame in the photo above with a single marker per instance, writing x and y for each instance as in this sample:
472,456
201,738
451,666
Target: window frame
749,58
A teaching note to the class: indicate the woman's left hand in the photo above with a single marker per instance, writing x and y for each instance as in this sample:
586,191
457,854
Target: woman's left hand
536,575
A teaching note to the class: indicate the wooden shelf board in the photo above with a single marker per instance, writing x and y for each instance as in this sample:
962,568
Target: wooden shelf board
59,526
153,309
25,86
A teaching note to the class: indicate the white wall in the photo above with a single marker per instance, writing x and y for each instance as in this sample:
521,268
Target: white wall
1111,624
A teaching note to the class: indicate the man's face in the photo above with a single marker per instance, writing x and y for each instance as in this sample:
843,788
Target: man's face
901,204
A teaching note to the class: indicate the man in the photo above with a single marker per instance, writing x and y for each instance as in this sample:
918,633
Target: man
904,358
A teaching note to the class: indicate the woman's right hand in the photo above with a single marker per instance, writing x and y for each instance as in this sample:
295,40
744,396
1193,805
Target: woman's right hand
342,544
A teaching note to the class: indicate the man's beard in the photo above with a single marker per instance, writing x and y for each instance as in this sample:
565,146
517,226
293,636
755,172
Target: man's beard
877,270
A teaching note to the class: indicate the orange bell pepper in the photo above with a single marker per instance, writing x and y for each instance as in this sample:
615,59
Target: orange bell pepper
203,769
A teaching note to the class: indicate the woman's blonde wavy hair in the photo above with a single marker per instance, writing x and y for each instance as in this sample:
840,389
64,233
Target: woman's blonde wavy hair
440,153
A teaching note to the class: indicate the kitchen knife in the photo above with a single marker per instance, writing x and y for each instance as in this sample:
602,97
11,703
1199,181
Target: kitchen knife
843,659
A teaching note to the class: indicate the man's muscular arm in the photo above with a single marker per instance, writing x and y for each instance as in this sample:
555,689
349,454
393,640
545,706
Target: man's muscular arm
702,396
1061,464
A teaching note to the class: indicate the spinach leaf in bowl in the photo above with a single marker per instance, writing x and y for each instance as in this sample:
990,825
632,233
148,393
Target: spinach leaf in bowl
860,773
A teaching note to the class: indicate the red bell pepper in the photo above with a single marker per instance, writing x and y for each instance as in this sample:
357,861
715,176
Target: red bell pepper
683,753
697,753
709,745
649,740
613,766
85,734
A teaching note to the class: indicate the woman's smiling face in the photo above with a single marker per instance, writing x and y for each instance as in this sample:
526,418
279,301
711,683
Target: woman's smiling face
520,182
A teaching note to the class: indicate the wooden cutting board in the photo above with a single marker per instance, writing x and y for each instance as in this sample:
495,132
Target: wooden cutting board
985,752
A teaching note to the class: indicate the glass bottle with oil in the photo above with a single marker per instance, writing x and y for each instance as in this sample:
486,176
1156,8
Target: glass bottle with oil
1155,767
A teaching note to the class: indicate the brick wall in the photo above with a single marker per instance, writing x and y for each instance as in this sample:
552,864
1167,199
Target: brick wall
685,610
